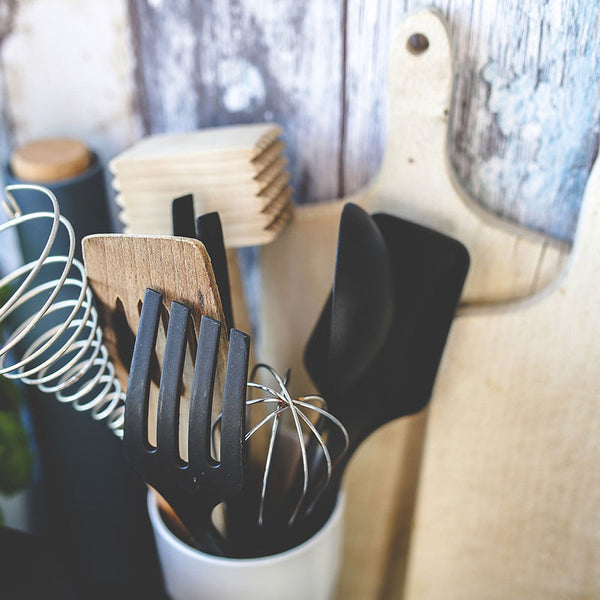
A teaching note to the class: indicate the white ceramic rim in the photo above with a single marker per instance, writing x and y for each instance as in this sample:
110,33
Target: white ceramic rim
179,546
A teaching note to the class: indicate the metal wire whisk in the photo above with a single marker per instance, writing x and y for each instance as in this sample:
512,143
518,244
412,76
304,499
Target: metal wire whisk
283,403
69,358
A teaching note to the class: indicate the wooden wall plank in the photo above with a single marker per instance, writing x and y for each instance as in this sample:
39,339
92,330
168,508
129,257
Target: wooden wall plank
524,123
369,30
217,63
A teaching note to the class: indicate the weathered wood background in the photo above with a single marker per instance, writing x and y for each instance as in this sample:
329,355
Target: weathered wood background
524,122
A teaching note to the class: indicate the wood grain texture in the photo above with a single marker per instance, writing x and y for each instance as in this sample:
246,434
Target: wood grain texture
224,169
380,506
120,268
216,63
521,71
415,181
524,123
509,499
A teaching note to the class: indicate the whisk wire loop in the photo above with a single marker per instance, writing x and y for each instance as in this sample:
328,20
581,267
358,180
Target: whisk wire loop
283,402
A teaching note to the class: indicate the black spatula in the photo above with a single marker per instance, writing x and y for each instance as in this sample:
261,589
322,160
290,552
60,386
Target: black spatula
428,273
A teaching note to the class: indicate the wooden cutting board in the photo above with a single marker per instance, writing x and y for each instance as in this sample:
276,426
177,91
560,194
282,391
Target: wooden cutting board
120,268
509,498
415,182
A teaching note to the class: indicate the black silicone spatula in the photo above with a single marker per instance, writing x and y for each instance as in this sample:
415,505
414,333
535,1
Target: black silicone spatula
428,273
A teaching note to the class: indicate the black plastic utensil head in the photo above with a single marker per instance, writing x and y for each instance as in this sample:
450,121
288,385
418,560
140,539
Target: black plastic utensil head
355,321
430,269
182,212
428,272
210,232
207,229
195,487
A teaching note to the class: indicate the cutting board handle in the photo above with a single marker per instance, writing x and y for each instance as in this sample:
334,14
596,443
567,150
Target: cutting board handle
417,182
419,92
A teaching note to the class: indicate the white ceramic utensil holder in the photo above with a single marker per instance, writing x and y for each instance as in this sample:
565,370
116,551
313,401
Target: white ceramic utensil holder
307,572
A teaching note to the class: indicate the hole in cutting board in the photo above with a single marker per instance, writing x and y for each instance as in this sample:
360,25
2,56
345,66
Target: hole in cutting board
417,43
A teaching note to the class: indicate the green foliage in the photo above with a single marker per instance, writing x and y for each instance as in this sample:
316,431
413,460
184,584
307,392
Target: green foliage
5,293
16,457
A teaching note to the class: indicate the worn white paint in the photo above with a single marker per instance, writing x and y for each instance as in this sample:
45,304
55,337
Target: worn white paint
528,164
524,121
250,62
173,102
243,85
527,108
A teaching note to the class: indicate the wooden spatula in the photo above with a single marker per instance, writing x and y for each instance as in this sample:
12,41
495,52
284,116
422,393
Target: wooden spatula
121,267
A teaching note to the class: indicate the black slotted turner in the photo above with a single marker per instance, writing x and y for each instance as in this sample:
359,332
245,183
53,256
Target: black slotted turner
194,488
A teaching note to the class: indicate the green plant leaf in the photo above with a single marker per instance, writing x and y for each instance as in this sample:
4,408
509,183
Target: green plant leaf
16,458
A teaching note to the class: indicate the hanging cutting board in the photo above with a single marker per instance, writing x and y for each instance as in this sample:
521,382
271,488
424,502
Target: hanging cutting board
415,182
509,499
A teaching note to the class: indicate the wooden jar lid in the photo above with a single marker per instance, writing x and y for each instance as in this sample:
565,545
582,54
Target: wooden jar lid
50,159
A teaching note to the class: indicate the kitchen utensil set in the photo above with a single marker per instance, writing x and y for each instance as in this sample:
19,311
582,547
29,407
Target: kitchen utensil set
373,354
239,171
374,351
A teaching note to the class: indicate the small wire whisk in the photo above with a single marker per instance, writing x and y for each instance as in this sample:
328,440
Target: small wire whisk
59,338
309,436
